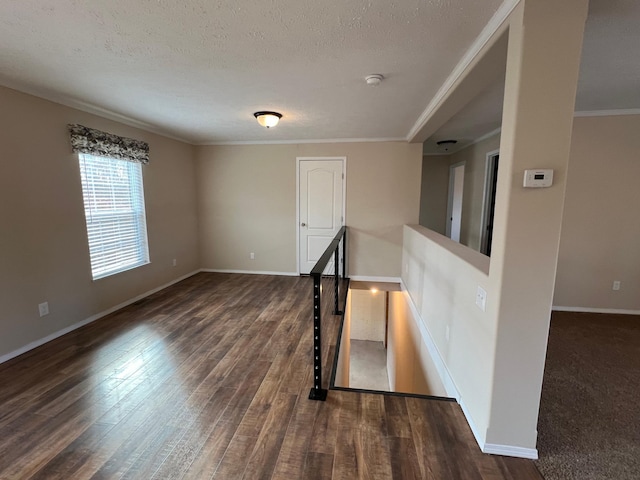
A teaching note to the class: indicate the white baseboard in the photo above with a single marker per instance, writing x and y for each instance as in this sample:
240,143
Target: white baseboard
476,433
510,451
368,278
441,367
86,321
618,311
250,272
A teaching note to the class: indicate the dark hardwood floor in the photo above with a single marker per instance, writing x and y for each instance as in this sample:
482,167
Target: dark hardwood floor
209,378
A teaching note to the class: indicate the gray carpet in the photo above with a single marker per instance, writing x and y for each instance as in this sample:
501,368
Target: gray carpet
589,426
368,366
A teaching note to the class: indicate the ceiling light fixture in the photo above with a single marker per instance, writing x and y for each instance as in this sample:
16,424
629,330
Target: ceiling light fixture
268,119
374,80
446,145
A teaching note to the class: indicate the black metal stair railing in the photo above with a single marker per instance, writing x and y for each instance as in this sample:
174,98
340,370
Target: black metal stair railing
317,392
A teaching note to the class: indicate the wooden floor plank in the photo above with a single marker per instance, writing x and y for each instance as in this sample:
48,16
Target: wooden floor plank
295,445
263,458
209,378
235,459
318,466
207,460
181,458
404,458
397,416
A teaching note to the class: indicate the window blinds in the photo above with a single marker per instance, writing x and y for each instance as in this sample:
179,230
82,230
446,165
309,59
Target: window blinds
115,214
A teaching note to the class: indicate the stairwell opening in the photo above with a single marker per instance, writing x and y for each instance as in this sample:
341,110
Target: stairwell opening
381,347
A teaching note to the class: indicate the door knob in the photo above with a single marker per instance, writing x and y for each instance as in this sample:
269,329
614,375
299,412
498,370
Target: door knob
303,224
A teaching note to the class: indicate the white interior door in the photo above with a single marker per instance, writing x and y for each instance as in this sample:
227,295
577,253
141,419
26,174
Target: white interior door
320,207
454,213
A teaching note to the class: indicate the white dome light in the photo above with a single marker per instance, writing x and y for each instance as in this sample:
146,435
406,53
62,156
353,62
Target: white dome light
268,119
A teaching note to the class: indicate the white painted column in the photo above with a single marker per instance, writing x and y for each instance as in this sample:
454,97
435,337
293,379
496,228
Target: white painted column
545,41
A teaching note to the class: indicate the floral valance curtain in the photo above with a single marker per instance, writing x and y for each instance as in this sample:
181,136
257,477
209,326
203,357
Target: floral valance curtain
96,142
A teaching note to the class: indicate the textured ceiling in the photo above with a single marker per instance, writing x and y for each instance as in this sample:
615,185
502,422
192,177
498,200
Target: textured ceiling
198,69
609,76
481,116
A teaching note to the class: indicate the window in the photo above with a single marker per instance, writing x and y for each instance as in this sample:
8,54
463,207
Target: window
114,209
111,172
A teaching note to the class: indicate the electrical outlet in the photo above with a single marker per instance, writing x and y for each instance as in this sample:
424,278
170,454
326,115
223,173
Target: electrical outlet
616,285
175,262
481,298
43,308
446,333
252,256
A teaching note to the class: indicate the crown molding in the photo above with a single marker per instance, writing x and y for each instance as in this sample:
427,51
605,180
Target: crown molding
607,113
490,134
485,36
91,108
305,141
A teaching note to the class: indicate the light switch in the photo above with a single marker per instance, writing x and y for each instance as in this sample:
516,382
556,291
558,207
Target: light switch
481,298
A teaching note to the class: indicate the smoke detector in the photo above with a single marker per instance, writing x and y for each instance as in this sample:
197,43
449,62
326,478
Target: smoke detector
374,80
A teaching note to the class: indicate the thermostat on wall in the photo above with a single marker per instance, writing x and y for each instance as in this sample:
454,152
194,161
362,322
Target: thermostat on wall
538,178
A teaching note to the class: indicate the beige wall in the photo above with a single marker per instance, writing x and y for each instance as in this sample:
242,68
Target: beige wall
475,160
43,243
409,364
247,203
441,277
598,242
368,315
435,189
600,228
344,354
434,192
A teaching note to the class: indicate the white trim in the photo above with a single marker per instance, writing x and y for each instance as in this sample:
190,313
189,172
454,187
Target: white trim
92,109
452,390
620,311
441,366
369,278
249,272
479,43
484,137
607,113
321,158
510,451
92,318
344,198
476,433
298,215
304,141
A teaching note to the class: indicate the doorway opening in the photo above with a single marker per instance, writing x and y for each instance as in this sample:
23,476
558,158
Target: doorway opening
454,204
489,202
